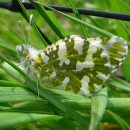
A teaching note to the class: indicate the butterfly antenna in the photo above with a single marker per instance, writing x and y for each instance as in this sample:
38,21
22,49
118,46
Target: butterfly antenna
20,25
30,20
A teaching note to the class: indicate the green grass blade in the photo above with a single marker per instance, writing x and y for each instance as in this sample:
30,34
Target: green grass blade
119,83
10,83
10,119
60,123
47,18
126,66
72,3
73,102
120,120
98,106
118,103
11,64
57,22
96,29
16,94
8,47
125,29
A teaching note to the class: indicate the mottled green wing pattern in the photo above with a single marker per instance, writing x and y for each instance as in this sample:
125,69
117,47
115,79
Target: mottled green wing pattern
79,65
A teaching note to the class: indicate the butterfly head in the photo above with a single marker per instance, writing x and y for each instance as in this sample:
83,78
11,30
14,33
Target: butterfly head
26,54
23,50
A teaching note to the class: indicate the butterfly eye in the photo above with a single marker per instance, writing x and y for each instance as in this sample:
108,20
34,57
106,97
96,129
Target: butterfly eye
24,53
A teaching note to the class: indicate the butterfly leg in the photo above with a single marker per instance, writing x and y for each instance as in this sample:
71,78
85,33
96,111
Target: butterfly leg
27,72
37,87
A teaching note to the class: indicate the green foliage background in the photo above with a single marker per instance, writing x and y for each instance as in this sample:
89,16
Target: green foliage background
57,109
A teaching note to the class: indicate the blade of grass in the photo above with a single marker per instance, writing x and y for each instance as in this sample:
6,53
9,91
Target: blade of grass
72,3
96,29
125,29
120,120
126,62
98,106
47,18
10,83
118,103
8,47
24,94
119,83
10,119
57,22
61,124
126,65
11,64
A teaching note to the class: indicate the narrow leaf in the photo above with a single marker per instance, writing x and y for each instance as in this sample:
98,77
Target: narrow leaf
98,106
120,120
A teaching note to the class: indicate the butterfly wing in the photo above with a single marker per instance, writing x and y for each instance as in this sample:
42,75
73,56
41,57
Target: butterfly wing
80,65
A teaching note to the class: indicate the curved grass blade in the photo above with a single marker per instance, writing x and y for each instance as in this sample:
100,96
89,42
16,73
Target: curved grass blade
8,47
10,119
47,18
96,29
119,83
72,3
120,120
10,84
98,106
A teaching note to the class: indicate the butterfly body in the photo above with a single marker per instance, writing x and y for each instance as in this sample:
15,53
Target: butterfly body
76,64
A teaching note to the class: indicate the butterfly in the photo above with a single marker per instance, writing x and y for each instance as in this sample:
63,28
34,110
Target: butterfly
80,65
